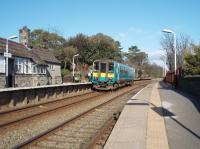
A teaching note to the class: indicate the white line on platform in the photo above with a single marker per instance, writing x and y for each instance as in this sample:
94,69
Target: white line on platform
140,91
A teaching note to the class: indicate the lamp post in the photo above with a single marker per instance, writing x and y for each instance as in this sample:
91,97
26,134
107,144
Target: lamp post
174,35
8,55
164,65
73,65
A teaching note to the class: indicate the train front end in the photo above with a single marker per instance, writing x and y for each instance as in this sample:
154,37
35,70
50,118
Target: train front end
103,76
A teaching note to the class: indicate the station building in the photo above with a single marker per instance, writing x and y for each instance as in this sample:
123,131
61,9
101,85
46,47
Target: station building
28,67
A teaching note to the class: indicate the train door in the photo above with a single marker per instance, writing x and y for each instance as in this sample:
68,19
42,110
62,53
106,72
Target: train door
95,73
103,70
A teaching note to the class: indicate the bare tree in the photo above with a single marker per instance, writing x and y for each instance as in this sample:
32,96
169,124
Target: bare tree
183,44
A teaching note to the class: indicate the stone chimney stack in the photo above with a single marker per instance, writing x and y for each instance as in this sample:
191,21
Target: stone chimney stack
24,34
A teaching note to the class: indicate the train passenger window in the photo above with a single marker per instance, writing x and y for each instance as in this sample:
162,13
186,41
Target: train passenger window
96,66
110,66
103,67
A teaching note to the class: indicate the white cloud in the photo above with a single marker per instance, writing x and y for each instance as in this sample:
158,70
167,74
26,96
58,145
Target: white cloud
121,35
155,55
135,30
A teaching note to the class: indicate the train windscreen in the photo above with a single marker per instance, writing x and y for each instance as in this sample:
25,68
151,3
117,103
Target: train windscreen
96,66
103,67
110,67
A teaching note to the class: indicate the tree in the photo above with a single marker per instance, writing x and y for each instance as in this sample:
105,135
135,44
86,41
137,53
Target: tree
192,62
153,70
68,53
137,59
81,43
182,48
95,47
44,39
105,47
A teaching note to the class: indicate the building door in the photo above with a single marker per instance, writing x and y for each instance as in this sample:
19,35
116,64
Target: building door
10,72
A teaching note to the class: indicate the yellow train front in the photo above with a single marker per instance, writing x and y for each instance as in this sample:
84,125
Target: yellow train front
108,74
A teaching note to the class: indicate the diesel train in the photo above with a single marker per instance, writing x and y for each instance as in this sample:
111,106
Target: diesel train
109,74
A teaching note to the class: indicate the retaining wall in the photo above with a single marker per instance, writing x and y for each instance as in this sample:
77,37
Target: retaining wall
17,97
190,85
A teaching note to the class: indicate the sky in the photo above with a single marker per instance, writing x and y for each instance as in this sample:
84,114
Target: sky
132,22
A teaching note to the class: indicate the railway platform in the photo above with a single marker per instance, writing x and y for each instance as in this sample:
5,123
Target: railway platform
157,117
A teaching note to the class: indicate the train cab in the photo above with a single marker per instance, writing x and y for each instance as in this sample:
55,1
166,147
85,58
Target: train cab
103,73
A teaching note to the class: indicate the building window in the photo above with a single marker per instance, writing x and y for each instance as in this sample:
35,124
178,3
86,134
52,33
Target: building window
41,70
26,66
2,64
19,65
34,68
51,66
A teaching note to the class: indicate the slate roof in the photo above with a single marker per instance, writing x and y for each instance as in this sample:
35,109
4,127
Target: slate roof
38,55
15,48
45,55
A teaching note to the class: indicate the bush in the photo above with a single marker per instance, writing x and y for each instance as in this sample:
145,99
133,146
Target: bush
65,72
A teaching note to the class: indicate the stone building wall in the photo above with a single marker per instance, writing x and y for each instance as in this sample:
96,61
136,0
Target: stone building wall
58,80
2,80
31,80
55,74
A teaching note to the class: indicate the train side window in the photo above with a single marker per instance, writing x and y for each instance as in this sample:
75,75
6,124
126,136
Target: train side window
103,67
110,67
96,66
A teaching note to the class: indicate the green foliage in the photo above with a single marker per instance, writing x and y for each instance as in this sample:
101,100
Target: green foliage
153,70
136,57
105,47
65,72
68,53
192,62
44,39
95,47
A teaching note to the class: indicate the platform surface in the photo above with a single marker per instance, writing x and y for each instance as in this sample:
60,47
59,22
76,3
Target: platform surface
145,122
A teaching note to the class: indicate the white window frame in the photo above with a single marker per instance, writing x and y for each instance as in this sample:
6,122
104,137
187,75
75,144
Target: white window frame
19,64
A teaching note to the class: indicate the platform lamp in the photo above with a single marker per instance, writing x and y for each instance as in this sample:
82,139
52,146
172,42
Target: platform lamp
7,55
163,57
174,35
73,65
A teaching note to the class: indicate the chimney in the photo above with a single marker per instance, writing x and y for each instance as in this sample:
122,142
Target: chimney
24,34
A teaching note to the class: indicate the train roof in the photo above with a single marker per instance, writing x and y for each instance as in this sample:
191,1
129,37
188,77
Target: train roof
110,60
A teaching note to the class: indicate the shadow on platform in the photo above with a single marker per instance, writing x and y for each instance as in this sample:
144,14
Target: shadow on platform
166,113
194,100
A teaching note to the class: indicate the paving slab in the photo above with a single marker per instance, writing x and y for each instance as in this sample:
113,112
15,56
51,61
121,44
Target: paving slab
130,129
141,124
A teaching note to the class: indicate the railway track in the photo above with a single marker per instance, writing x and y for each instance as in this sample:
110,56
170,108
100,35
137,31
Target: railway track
11,117
83,129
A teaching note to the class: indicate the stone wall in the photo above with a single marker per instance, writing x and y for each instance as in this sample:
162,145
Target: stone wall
55,74
22,80
58,80
18,97
190,85
2,81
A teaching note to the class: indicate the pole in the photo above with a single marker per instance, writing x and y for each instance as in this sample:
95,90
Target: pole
6,63
165,64
164,69
73,68
174,53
